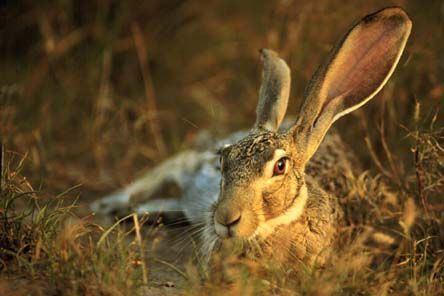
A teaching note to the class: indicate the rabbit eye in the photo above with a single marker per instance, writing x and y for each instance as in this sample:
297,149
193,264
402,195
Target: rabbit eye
280,167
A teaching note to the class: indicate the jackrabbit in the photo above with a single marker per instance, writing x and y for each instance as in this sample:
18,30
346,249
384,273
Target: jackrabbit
255,189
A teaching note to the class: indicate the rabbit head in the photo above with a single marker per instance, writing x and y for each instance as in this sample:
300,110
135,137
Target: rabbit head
262,176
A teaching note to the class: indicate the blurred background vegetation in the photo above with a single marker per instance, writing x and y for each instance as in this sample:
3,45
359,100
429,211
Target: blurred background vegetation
95,91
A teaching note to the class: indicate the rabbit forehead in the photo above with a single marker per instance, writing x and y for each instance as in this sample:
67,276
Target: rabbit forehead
249,156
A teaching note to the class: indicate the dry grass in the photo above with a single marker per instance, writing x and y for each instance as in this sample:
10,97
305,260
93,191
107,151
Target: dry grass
47,250
91,92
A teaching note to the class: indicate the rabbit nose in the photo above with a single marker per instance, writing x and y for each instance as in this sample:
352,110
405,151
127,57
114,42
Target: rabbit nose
228,218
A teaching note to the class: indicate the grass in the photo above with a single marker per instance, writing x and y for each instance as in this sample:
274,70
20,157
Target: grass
48,250
94,92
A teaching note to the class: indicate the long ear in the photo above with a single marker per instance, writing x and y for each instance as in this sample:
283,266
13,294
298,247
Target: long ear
274,92
356,70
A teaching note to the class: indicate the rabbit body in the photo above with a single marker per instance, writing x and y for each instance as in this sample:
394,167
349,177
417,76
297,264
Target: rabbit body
275,189
196,173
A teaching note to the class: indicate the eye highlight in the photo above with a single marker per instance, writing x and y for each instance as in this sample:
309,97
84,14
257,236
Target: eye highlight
280,167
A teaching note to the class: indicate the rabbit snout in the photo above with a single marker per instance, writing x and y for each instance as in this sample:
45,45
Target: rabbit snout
233,218
226,221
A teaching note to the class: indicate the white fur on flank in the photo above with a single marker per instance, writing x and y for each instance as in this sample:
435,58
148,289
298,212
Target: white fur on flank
290,215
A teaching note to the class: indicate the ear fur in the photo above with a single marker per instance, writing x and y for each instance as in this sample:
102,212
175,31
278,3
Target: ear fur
356,70
273,93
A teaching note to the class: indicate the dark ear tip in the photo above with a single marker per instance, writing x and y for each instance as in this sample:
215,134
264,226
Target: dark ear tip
262,53
397,14
393,14
267,53
396,11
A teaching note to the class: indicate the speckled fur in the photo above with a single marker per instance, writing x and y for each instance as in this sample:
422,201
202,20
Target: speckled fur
308,239
250,153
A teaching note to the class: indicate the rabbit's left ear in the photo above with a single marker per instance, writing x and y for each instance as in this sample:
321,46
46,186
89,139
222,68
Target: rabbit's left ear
356,70
274,91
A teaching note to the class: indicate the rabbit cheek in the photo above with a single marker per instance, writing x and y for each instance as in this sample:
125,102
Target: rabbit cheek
274,200
271,206
248,225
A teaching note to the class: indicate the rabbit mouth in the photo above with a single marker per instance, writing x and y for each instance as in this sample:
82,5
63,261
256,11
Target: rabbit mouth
241,226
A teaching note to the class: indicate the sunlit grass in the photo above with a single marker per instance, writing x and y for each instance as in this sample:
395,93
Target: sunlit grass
46,249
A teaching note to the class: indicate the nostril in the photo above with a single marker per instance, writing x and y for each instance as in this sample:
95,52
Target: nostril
228,218
234,221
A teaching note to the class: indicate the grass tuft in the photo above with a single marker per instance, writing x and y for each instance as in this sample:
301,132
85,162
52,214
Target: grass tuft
48,249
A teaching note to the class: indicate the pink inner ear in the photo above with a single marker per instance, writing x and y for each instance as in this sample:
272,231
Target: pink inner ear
363,62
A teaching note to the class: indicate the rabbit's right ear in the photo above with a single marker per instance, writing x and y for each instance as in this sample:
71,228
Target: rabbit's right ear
356,70
274,91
